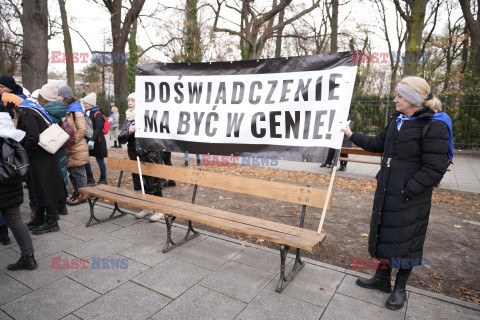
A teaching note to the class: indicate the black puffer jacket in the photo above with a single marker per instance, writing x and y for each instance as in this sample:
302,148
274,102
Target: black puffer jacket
11,194
413,163
100,146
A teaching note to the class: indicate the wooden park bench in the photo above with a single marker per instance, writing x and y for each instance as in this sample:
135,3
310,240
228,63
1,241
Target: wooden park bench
285,235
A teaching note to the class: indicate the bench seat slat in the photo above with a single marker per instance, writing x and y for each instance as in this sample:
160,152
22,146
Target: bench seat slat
275,226
259,228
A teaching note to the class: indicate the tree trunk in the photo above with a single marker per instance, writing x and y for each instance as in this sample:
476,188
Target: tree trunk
67,42
471,78
415,27
35,44
192,44
334,27
132,58
120,33
278,41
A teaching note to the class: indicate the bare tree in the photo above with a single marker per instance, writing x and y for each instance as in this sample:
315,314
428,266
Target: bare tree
400,39
257,26
471,13
120,33
34,19
67,42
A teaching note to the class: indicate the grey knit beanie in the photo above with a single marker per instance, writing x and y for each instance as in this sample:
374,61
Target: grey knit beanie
65,92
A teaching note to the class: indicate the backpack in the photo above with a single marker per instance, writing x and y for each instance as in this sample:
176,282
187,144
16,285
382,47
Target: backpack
106,123
14,163
89,133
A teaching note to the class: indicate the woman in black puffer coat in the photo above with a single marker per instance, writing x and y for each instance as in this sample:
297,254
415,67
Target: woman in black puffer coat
415,150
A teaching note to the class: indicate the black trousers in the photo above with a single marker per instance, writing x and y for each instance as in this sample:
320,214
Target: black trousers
331,156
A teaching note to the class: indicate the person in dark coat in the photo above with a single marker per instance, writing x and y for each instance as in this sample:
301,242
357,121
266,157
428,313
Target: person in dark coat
417,147
45,172
11,197
151,185
57,110
97,146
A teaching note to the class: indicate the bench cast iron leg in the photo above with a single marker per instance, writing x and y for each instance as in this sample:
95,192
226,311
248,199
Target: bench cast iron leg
91,203
117,209
170,244
298,265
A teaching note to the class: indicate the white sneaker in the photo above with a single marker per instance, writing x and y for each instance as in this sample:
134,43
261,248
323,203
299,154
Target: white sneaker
142,214
157,216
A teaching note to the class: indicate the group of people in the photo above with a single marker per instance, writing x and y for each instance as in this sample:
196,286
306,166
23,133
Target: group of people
417,147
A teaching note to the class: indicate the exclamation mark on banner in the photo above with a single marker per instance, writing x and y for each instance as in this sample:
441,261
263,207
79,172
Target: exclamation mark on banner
332,115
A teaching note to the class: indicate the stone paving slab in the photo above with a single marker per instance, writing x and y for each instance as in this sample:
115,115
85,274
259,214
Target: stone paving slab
237,280
349,288
103,246
259,259
313,284
423,307
200,303
111,277
271,305
4,316
44,274
51,243
50,302
128,301
149,252
343,307
172,277
11,289
210,254
86,234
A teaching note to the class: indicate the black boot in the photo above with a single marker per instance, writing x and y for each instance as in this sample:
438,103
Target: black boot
37,220
199,162
185,164
115,144
399,294
62,209
4,239
26,262
380,281
90,179
342,167
50,225
119,145
102,180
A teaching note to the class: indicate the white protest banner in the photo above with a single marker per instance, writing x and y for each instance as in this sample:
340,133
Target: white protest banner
289,107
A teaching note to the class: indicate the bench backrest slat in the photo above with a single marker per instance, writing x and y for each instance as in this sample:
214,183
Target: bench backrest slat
359,151
267,189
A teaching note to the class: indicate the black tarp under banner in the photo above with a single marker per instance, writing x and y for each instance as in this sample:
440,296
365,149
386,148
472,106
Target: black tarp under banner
285,108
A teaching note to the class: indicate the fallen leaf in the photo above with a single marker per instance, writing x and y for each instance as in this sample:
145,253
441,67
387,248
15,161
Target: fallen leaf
457,226
322,289
97,314
364,235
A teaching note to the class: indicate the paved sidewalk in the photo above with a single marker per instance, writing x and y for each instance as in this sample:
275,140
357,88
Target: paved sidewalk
210,277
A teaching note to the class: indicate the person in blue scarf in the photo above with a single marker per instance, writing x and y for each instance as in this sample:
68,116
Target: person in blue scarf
417,147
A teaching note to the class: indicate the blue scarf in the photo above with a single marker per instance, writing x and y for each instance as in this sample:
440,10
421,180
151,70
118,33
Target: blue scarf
31,104
75,107
440,116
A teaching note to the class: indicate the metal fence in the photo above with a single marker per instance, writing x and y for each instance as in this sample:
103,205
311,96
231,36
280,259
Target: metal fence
370,115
